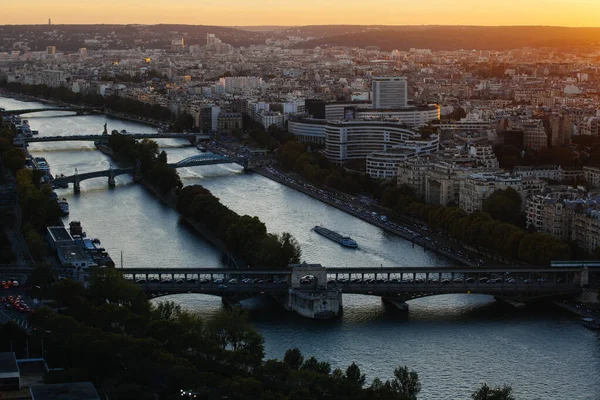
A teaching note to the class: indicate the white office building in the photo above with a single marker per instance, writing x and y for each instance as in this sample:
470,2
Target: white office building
390,92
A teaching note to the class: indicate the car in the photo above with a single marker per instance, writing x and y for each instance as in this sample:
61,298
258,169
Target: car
470,280
332,282
166,281
511,280
140,281
246,280
369,281
153,280
218,281
204,280
528,281
221,286
179,281
458,280
305,281
484,279
446,281
232,281
192,280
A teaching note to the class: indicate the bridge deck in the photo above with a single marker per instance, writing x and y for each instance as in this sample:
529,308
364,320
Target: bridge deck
354,271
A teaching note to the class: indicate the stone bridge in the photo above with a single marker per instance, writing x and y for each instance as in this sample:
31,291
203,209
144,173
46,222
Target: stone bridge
41,109
20,141
111,173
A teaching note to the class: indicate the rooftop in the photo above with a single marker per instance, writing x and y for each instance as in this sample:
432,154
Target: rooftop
8,363
65,391
59,234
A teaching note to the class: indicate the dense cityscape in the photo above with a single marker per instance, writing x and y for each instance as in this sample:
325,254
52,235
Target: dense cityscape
416,182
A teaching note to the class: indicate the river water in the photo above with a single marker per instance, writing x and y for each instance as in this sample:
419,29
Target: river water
454,342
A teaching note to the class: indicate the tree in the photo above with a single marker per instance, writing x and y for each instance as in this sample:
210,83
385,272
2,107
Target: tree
293,358
505,205
406,383
497,393
14,159
353,375
109,286
41,280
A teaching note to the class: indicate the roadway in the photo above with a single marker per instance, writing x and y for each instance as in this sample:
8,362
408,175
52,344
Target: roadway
364,208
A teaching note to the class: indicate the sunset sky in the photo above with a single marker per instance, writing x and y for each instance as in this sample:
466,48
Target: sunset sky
304,12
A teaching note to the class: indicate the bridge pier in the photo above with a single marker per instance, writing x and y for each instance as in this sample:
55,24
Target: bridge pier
111,178
399,303
76,186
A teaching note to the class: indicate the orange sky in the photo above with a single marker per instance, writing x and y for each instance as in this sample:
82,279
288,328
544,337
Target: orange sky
305,12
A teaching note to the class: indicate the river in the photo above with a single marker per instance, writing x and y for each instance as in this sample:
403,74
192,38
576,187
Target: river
454,342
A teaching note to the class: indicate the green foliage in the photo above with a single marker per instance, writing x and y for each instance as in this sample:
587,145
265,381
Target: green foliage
113,102
108,334
13,159
497,393
153,164
495,231
38,208
316,168
505,205
293,358
245,236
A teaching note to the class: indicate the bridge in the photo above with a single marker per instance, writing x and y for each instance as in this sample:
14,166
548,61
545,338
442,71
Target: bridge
19,141
316,292
41,109
111,173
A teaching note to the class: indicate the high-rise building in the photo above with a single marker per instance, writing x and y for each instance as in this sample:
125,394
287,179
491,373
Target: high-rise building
51,50
390,92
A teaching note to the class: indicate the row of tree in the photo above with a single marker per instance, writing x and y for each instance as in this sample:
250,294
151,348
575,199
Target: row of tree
497,236
39,207
180,121
315,167
245,236
153,164
109,333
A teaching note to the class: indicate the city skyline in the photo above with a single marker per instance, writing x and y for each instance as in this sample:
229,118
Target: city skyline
577,13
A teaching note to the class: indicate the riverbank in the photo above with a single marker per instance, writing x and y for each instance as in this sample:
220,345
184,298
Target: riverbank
52,102
419,241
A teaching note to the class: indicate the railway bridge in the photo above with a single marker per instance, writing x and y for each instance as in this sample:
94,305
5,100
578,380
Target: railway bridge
316,292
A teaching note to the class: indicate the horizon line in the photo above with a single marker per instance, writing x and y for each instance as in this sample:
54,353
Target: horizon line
309,25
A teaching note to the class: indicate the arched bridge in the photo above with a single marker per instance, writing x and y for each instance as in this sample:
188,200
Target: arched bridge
41,109
313,287
111,173
95,137
209,159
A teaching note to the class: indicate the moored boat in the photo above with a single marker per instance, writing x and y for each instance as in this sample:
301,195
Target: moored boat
64,206
591,323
